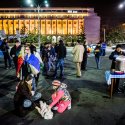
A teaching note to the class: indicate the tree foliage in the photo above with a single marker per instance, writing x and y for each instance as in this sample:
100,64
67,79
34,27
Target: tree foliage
81,36
115,35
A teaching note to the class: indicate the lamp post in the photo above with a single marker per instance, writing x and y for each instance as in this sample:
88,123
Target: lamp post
31,3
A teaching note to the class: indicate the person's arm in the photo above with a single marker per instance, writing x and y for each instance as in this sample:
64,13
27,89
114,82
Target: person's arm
65,52
112,56
27,95
59,95
39,57
12,52
74,50
123,53
7,46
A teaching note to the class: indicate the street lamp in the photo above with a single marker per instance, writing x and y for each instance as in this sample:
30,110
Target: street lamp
121,5
30,2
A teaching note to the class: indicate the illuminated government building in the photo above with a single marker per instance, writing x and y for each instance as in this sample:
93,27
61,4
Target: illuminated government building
51,21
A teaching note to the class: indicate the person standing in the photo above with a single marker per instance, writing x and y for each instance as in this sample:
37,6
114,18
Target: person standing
31,65
5,49
14,52
97,52
32,47
77,52
118,51
61,54
85,56
1,41
103,48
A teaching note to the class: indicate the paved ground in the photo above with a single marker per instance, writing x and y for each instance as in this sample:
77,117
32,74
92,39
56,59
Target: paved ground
91,104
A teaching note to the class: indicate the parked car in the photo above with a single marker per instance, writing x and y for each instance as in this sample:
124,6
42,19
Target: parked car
122,46
113,47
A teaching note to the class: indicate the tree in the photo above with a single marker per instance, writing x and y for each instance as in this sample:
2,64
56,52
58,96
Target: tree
115,35
81,36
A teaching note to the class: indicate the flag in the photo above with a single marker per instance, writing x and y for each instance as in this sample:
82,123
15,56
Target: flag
20,55
34,63
19,64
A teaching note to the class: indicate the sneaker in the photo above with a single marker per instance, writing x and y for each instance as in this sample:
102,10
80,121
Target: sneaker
54,108
69,106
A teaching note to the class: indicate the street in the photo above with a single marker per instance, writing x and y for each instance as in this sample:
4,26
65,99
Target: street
91,104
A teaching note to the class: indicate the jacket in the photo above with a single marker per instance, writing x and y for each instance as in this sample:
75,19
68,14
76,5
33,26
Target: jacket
98,51
113,57
61,51
4,47
23,92
78,52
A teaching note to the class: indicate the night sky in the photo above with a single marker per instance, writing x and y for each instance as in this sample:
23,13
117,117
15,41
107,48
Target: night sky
106,9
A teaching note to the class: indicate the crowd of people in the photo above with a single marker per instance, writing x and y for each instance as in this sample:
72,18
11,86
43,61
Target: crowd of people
28,63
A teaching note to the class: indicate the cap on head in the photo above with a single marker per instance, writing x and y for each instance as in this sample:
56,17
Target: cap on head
56,83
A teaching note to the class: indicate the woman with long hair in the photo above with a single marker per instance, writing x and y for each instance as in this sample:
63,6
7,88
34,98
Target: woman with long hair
24,97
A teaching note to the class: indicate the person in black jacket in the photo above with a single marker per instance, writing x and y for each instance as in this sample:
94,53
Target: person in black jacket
5,50
15,51
97,52
32,47
118,51
61,54
24,97
85,56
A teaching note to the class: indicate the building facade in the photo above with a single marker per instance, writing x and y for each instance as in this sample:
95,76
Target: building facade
51,21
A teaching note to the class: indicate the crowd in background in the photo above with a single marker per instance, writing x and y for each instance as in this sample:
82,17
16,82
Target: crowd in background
28,63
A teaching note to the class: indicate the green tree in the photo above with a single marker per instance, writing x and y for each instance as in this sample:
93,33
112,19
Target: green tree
115,35
81,36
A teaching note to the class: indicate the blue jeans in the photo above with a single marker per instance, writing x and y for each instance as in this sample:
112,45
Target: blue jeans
59,64
97,59
27,103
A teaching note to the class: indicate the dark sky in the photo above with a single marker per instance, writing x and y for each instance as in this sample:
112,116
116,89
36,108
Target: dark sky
107,9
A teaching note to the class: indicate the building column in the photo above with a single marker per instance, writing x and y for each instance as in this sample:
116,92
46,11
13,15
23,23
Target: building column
13,26
2,25
8,27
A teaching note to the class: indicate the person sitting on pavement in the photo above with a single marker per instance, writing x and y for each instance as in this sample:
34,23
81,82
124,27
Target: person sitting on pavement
118,51
61,98
24,97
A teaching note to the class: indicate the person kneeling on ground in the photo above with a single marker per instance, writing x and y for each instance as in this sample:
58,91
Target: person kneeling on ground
61,99
24,97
